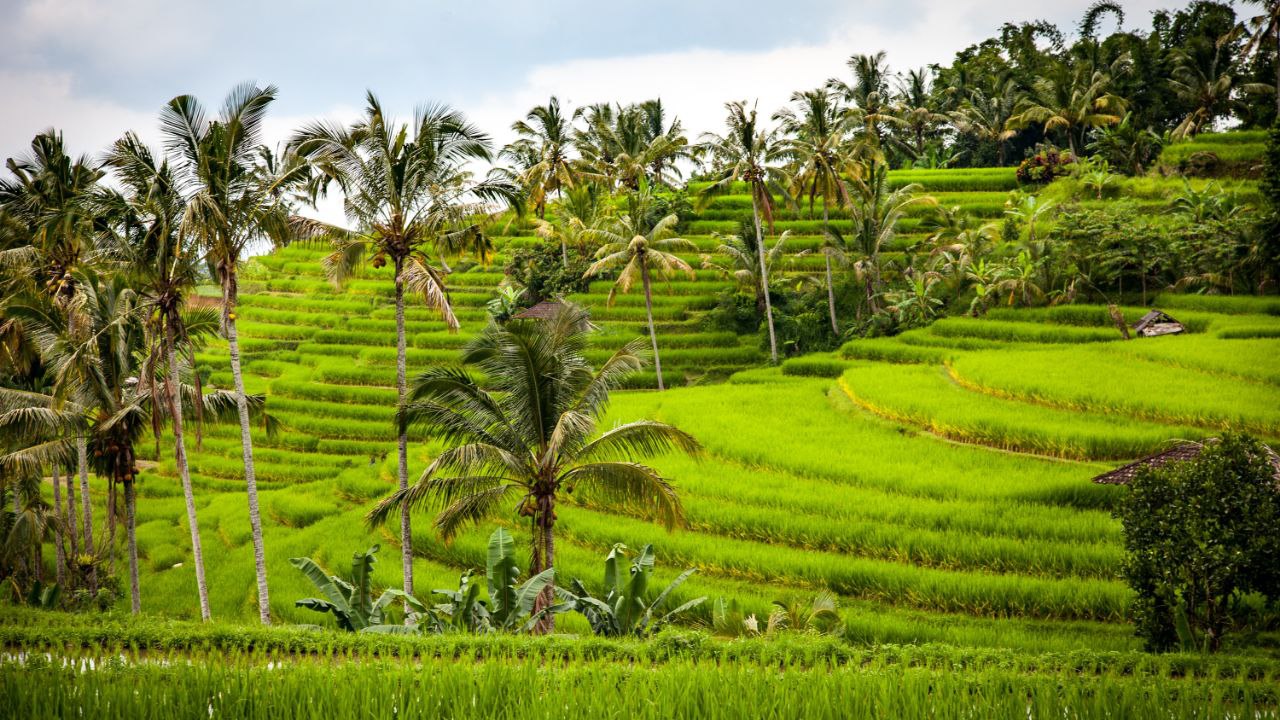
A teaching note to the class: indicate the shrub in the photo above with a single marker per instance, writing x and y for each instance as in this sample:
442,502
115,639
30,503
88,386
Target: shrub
1201,534
1044,166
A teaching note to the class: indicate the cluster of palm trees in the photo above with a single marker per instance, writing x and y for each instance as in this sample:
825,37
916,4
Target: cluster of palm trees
100,328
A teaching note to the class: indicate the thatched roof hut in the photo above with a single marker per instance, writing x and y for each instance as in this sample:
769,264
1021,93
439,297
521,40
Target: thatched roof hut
1156,323
542,311
1180,452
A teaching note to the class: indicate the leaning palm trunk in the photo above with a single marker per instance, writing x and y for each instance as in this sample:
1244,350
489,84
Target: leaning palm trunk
59,543
831,290
82,463
402,438
184,472
653,335
246,444
764,281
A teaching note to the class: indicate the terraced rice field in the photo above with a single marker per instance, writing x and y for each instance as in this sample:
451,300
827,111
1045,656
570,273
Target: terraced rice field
938,481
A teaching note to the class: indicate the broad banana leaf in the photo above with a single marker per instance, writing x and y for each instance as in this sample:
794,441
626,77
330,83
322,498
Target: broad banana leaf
362,608
662,597
501,572
329,586
528,593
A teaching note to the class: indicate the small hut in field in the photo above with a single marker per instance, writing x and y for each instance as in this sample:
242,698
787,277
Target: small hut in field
1181,452
1157,323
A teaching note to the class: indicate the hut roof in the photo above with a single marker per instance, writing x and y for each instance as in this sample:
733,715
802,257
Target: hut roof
1155,317
541,311
1182,451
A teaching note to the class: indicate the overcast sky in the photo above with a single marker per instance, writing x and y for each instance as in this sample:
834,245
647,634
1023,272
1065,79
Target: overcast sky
94,68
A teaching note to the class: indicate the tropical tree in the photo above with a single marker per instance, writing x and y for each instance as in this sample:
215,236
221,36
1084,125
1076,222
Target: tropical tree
407,191
621,146
638,252
531,436
1262,28
1209,91
916,112
236,195
625,608
743,154
817,130
1073,100
743,267
986,114
50,207
541,149
164,267
875,211
868,94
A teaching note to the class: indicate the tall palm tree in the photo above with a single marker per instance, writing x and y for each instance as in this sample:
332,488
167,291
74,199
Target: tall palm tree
50,200
408,193
100,367
816,134
1073,100
640,252
545,138
164,267
234,198
531,437
876,210
744,154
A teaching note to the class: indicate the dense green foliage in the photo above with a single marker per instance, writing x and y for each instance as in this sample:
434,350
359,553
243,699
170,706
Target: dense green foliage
1201,536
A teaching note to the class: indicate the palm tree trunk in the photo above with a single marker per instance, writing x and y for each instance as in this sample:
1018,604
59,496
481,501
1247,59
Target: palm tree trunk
402,438
653,336
82,462
246,444
184,472
831,290
564,253
73,532
59,542
546,558
131,521
111,526
764,280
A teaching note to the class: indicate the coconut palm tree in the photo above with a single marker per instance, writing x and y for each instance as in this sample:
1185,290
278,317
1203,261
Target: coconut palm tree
50,202
875,211
1073,100
916,111
236,195
545,138
986,114
640,252
816,144
623,146
868,95
1210,91
744,268
408,194
744,154
102,387
530,437
164,267
1261,28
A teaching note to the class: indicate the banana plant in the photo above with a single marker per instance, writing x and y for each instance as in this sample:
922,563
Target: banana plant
352,602
625,609
510,604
